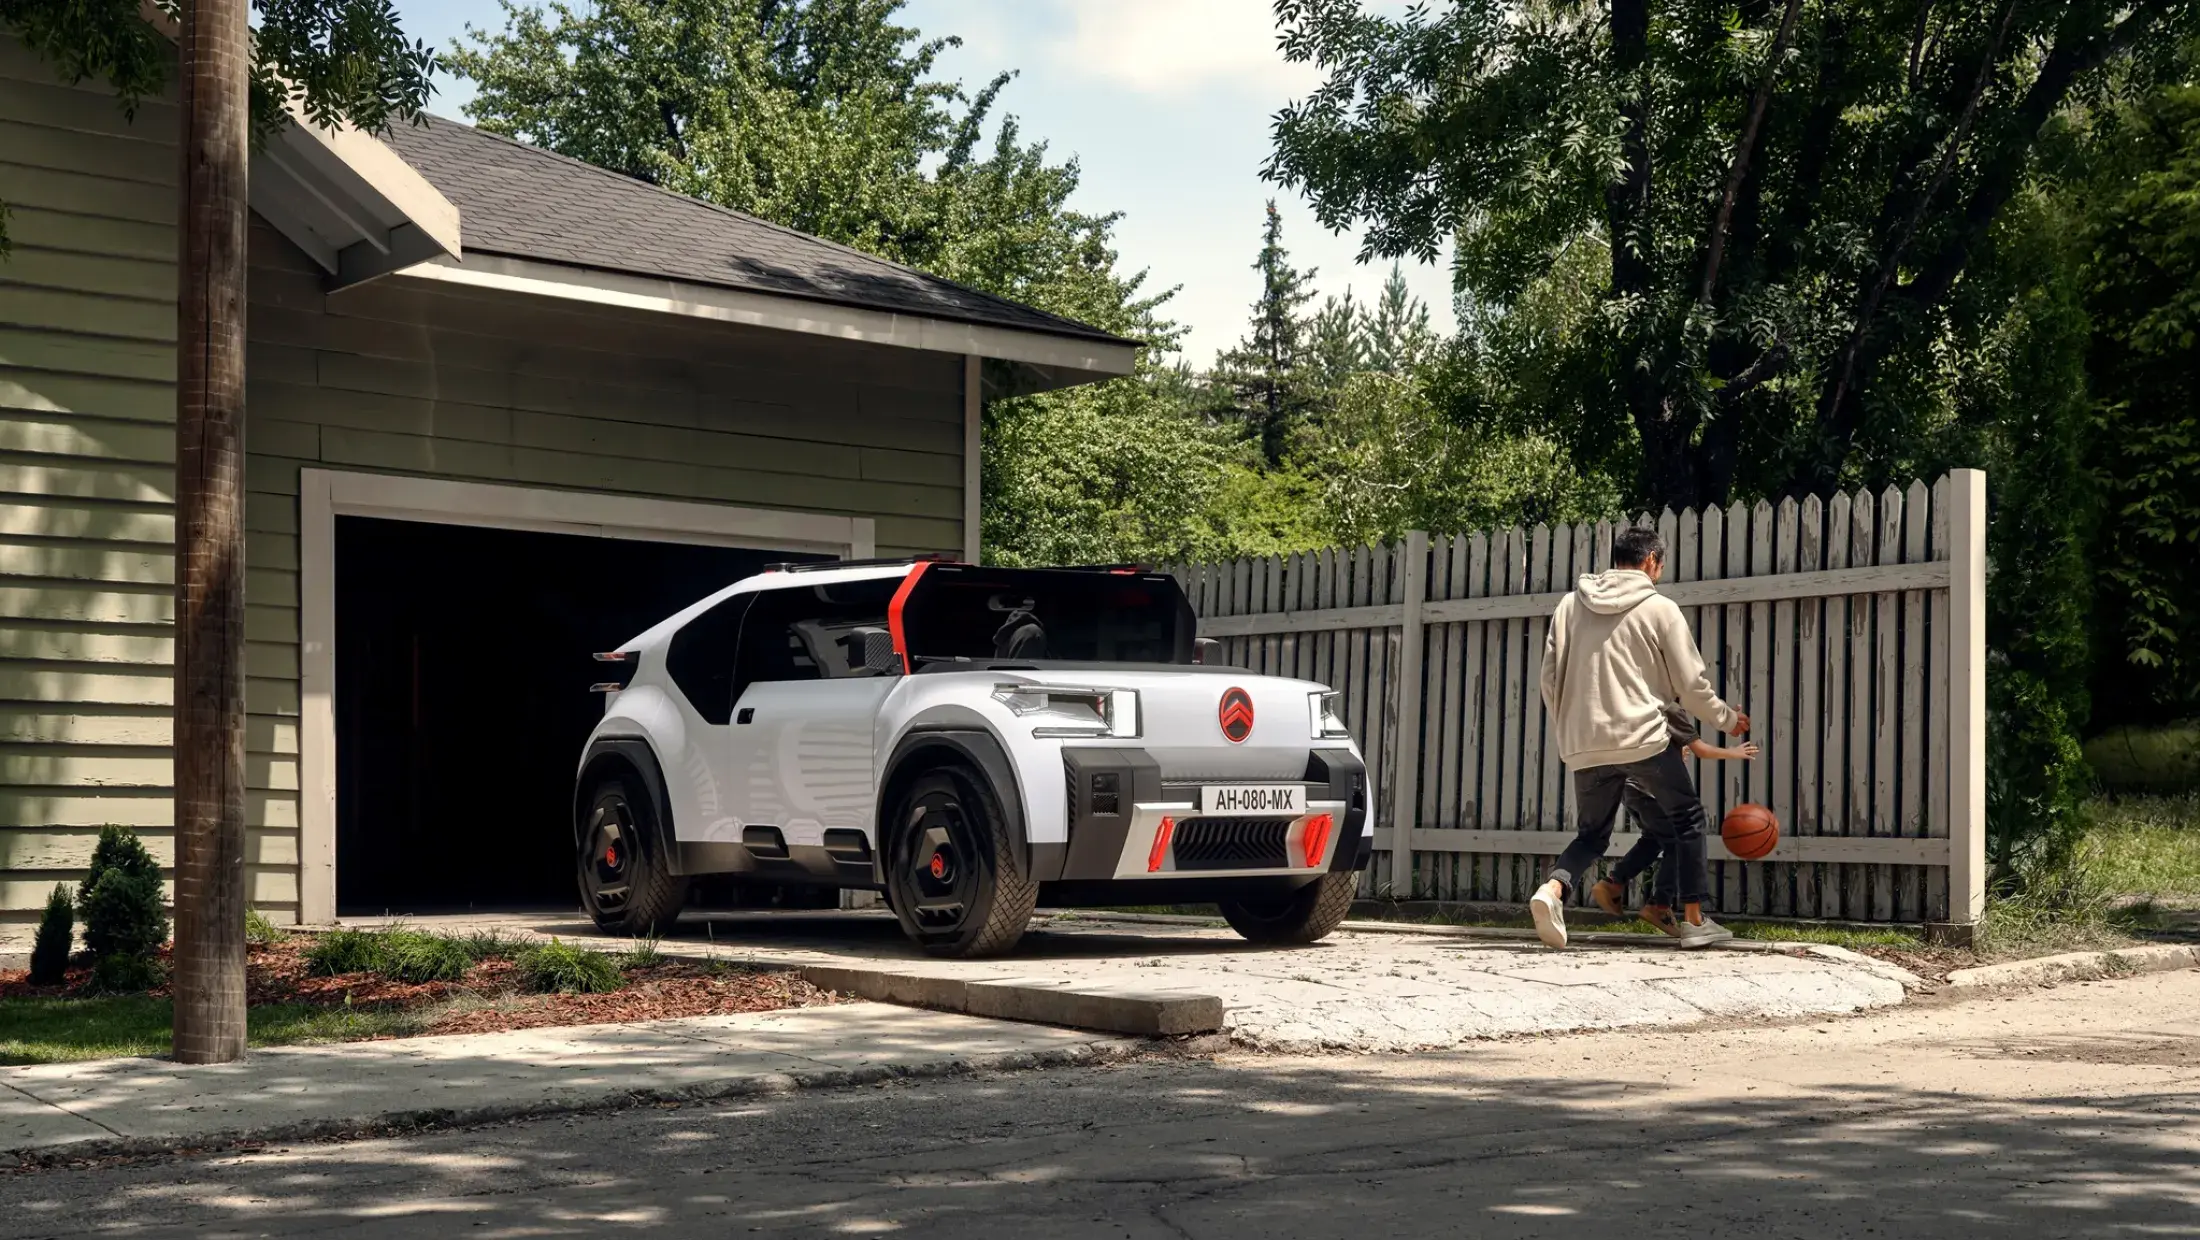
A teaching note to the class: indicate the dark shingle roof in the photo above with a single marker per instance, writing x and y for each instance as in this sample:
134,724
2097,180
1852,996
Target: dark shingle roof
525,202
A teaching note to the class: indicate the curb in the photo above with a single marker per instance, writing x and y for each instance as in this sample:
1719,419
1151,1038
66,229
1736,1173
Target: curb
389,1123
2079,966
1146,1014
1910,982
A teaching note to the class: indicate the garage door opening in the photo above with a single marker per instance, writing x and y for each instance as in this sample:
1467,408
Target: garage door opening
463,660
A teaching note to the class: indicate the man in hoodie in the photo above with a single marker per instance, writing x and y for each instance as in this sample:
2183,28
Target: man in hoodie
1617,653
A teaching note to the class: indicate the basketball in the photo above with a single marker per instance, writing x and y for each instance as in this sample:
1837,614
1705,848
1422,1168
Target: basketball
1750,831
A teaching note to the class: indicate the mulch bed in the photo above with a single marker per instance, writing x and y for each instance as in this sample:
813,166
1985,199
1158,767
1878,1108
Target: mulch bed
490,999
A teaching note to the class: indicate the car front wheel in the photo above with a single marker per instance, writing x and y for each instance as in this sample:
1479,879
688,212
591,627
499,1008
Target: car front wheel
1303,915
625,886
952,874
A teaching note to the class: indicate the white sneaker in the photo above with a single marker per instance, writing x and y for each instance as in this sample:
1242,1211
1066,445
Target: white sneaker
1549,911
1701,934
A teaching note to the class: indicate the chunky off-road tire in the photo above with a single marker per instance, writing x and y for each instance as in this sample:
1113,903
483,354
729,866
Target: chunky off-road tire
952,875
1307,914
625,885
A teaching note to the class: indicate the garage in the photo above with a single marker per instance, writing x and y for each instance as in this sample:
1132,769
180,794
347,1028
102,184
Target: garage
462,673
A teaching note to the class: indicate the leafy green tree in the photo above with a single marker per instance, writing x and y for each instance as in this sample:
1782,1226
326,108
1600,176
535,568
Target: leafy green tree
2144,298
336,60
1270,368
1787,194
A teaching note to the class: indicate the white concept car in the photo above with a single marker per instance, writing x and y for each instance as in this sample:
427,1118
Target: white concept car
972,742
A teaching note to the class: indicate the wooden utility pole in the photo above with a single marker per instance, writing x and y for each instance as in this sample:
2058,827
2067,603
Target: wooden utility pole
209,733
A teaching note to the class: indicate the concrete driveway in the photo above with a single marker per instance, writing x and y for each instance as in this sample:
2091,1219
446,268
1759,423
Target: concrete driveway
1358,990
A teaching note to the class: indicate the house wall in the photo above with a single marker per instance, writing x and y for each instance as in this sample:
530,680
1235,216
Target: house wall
398,376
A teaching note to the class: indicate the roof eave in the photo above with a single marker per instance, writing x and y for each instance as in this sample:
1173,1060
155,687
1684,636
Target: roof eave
1062,359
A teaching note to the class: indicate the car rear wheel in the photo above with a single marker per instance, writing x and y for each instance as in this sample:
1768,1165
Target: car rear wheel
952,874
1306,914
625,886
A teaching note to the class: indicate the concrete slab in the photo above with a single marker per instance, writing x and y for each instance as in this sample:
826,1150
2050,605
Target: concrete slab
291,1093
1391,991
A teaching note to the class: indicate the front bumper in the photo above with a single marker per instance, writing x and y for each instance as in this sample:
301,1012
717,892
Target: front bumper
1130,818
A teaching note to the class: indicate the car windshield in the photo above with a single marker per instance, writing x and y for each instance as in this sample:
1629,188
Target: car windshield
960,611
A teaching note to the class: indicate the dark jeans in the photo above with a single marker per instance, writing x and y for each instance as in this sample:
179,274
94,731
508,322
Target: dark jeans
1674,818
1650,847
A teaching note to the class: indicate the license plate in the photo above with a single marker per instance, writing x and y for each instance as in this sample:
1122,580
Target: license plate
1272,799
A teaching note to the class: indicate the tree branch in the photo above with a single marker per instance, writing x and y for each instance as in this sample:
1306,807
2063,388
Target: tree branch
1743,147
1837,398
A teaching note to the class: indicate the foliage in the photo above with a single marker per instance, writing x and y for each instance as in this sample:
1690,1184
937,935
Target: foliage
1787,194
333,61
120,899
338,952
56,936
1388,462
642,953
262,930
556,967
1273,370
490,945
411,956
2144,297
125,974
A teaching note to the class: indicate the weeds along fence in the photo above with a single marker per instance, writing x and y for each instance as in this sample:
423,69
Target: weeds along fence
1851,629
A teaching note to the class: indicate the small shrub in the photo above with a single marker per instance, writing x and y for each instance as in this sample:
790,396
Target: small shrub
490,945
121,899
125,974
258,929
642,954
345,951
56,935
554,967
410,956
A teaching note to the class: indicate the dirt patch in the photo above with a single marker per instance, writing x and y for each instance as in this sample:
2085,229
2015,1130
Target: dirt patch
1934,964
490,997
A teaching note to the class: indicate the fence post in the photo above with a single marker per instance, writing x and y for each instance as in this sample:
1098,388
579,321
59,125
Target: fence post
1405,745
1967,696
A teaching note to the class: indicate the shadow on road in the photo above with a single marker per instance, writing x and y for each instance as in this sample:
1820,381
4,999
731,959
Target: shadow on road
1457,1145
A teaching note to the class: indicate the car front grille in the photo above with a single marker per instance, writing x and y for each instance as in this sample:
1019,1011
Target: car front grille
1231,843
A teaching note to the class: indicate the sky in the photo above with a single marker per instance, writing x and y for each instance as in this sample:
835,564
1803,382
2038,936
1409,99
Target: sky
1166,105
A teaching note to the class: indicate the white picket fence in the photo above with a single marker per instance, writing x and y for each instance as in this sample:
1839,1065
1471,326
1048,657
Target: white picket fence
1851,630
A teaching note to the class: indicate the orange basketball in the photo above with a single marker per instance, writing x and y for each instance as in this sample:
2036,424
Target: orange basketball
1750,831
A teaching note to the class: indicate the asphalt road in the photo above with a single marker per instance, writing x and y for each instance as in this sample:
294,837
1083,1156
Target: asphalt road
2067,1112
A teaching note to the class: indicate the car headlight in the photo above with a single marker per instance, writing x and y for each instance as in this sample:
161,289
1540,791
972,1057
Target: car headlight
1325,717
1067,710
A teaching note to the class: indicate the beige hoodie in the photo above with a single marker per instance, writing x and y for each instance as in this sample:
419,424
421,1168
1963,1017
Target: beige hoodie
1618,652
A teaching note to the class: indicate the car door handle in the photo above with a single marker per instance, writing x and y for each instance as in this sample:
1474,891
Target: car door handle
745,714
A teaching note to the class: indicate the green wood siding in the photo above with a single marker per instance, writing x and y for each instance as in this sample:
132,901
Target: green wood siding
398,376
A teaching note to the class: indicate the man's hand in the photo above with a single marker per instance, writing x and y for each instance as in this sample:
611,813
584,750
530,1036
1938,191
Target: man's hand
1741,724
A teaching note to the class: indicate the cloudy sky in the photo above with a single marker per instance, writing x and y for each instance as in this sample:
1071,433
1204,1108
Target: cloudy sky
1165,103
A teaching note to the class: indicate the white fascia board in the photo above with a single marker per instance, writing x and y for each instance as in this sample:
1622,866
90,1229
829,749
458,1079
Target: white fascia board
795,314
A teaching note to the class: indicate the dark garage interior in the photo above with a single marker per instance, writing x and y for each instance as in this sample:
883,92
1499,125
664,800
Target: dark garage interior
463,660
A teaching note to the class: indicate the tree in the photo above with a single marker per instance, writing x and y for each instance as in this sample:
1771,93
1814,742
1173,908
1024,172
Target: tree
1267,368
822,115
1786,194
1399,337
333,61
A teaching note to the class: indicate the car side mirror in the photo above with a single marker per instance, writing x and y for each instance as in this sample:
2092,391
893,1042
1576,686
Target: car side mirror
1201,646
879,656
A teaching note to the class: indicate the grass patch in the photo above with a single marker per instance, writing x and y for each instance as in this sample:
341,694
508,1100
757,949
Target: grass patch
258,929
2146,848
557,967
643,953
410,956
60,1030
490,945
344,951
1852,937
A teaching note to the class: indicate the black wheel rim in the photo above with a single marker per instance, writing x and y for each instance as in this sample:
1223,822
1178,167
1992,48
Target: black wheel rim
936,864
607,858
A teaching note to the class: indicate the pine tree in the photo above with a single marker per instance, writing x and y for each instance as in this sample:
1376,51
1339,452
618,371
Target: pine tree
1266,369
1398,333
1337,343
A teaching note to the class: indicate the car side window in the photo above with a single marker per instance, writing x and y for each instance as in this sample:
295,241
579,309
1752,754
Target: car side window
811,632
701,657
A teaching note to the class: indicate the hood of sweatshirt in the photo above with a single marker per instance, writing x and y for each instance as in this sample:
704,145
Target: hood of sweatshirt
1615,590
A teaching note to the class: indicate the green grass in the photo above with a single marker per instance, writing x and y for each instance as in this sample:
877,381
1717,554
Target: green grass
2146,847
410,956
562,968
58,1030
